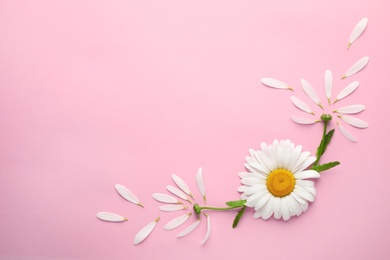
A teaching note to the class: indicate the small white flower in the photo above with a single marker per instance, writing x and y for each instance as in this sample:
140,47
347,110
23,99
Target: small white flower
277,180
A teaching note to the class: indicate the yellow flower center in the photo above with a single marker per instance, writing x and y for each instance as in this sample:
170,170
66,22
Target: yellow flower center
280,182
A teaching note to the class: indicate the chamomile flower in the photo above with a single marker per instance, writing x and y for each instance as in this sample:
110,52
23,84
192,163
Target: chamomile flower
276,183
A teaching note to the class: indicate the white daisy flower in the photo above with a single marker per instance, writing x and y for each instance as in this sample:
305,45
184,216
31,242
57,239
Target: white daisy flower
276,183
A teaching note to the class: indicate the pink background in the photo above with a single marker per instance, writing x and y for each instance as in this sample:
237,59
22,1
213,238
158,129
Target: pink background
94,93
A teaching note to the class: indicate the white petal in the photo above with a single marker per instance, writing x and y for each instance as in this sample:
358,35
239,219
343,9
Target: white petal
176,222
189,229
357,31
267,210
145,231
306,174
301,105
284,209
273,83
347,91
200,183
161,197
304,121
304,193
178,193
346,133
276,207
127,195
328,84
208,232
310,92
353,109
181,184
358,66
111,217
174,207
354,121
260,203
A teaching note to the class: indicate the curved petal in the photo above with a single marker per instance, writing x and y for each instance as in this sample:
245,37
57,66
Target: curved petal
306,174
273,83
301,105
357,31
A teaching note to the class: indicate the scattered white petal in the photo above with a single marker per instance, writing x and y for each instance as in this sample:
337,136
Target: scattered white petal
358,66
273,83
178,193
303,121
208,232
161,197
176,222
353,109
145,232
174,207
310,92
200,183
111,217
301,105
328,84
347,91
127,195
182,185
346,133
189,229
357,31
354,121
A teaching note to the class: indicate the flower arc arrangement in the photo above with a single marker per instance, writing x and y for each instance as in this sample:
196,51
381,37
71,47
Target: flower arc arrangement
279,180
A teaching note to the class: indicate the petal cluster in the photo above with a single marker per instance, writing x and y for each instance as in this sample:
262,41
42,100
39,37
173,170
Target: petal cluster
279,155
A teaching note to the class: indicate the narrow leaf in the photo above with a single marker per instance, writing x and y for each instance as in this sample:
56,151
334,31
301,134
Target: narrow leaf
208,232
127,195
353,109
176,222
310,92
178,193
238,216
348,135
304,121
189,229
111,217
145,232
236,203
273,83
161,197
328,138
182,185
301,105
347,91
328,84
325,166
200,183
358,66
354,121
357,31
174,207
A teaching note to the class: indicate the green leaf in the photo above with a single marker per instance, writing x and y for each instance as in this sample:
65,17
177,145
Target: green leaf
238,217
325,166
236,203
324,143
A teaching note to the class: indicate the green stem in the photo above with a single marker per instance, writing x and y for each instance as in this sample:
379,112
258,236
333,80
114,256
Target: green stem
198,208
321,145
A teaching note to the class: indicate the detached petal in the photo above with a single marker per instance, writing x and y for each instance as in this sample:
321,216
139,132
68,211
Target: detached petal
273,83
189,229
358,66
357,31
111,217
304,121
176,222
178,193
208,232
200,183
354,121
347,91
182,185
145,232
127,195
174,207
310,92
353,109
161,197
346,133
328,84
301,105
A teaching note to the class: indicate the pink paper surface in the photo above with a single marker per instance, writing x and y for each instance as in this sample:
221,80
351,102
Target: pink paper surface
95,93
